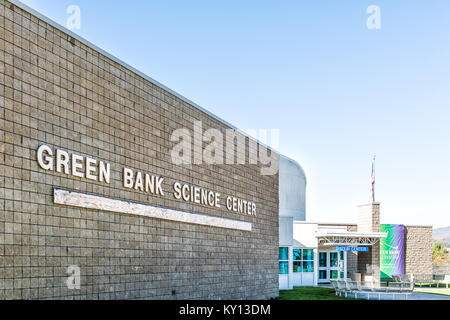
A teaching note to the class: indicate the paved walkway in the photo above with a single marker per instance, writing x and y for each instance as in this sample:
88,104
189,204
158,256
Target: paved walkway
412,296
427,296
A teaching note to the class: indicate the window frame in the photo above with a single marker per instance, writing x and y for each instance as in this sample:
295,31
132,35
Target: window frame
301,261
280,261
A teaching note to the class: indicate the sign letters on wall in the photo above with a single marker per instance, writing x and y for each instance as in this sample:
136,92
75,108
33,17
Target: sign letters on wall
86,167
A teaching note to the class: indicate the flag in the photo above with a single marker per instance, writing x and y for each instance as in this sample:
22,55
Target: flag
372,182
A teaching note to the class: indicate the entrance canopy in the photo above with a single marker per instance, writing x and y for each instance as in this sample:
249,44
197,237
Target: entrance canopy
333,238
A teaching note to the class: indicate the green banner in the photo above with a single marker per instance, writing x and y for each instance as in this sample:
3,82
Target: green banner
392,250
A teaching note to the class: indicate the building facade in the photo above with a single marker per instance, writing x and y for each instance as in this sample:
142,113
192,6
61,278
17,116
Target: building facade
92,204
314,253
96,204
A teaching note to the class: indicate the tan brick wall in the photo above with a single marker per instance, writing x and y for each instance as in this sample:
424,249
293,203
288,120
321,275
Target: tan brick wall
418,250
73,98
352,257
368,220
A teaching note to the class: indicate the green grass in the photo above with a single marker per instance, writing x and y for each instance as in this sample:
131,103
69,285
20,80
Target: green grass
309,293
432,284
445,292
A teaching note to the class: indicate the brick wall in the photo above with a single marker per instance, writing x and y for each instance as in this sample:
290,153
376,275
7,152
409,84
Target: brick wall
57,91
418,250
368,218
369,221
352,257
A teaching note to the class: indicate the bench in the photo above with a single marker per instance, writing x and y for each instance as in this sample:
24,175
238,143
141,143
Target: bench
370,288
441,279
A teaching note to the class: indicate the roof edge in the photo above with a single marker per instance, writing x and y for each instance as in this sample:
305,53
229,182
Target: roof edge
295,163
56,25
351,234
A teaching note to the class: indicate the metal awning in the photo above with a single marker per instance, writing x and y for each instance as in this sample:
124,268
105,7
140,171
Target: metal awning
332,238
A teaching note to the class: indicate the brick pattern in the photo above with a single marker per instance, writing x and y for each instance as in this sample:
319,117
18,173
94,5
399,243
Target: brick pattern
352,257
368,220
71,97
418,248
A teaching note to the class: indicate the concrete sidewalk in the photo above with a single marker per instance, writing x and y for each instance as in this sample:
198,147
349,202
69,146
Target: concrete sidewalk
397,296
427,296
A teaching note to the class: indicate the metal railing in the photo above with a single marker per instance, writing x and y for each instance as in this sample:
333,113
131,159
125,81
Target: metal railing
441,269
368,289
430,280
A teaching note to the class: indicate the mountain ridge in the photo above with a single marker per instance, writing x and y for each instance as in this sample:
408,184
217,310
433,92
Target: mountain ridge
441,233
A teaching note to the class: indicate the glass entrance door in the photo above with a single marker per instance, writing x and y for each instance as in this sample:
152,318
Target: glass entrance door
334,265
330,265
323,267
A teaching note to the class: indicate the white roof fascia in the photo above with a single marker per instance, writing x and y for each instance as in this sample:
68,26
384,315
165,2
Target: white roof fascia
323,233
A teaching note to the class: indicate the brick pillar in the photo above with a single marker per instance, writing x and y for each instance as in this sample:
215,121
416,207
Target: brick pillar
369,221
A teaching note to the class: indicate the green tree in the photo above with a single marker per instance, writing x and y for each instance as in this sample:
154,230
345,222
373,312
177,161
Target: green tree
439,251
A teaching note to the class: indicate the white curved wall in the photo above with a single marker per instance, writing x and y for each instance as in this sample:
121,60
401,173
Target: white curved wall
292,189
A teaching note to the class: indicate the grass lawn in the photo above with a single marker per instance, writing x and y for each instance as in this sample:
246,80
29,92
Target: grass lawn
430,285
445,292
309,293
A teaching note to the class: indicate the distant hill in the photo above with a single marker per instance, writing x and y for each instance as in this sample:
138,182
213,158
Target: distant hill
442,235
445,242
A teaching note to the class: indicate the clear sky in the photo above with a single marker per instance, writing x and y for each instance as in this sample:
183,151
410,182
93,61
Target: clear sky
337,91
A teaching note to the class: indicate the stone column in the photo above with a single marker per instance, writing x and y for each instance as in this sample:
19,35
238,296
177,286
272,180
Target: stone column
368,220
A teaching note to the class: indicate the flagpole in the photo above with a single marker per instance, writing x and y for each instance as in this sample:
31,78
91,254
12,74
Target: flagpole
372,196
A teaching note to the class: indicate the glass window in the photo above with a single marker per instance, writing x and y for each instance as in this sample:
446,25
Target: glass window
283,253
342,275
333,274
297,254
297,266
322,259
283,267
322,274
341,255
308,266
333,259
308,254
303,260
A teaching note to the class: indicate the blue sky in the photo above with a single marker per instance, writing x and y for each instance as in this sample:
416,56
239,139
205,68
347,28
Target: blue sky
337,91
